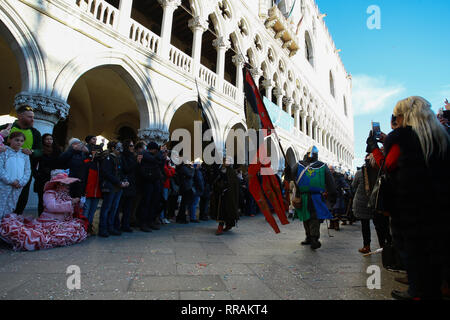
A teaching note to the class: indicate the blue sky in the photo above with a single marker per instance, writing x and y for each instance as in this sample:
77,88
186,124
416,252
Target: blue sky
409,55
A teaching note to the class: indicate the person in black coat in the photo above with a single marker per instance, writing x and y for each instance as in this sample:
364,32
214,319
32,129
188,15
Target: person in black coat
416,160
48,161
186,174
112,182
205,197
129,170
74,160
151,169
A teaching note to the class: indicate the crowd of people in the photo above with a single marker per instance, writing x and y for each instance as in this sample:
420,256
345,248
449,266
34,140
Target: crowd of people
139,186
142,186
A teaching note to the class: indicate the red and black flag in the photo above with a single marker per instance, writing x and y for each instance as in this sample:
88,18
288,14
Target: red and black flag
264,188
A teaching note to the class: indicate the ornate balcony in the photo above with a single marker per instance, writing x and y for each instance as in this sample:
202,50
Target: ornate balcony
278,23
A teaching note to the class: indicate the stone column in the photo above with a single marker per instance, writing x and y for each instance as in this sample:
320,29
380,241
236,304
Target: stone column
152,134
304,115
256,74
125,7
288,102
47,110
279,94
222,45
297,116
239,61
268,85
198,25
169,6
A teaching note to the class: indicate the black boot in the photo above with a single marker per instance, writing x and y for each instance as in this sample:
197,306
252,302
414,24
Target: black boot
306,242
315,243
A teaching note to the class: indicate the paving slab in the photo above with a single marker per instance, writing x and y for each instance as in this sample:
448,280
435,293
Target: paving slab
189,262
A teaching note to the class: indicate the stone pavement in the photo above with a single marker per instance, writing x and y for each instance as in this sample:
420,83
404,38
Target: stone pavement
180,262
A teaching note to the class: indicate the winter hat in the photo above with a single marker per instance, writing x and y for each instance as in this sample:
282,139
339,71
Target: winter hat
74,140
152,146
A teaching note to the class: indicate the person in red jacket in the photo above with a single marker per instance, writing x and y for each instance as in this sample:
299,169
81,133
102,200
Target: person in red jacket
169,172
93,191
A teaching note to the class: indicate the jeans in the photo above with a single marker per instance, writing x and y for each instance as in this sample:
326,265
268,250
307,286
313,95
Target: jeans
165,196
108,211
90,207
204,207
193,207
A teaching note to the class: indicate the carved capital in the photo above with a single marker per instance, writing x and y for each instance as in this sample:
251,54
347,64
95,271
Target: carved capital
288,101
221,43
278,92
44,107
173,4
268,83
198,23
256,72
238,60
157,135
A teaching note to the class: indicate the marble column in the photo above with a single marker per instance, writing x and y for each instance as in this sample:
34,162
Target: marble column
279,94
169,6
239,61
304,116
256,74
198,25
297,116
268,86
288,102
222,45
125,8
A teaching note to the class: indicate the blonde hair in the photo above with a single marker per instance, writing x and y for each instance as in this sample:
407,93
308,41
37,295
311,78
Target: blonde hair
417,113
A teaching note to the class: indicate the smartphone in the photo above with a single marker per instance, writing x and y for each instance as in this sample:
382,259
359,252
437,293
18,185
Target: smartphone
376,129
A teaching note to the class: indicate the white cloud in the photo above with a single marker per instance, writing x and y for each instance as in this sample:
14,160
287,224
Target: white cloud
373,94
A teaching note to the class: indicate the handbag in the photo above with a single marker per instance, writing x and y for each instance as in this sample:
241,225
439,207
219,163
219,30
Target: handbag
376,200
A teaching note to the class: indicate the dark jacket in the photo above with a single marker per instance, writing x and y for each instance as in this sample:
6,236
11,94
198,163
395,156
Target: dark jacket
417,195
44,166
74,161
199,182
152,167
225,198
129,168
362,186
185,177
111,174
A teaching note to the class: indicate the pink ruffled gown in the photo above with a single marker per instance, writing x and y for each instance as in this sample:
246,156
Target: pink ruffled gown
56,226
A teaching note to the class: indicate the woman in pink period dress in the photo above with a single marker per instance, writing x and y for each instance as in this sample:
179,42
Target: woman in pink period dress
57,226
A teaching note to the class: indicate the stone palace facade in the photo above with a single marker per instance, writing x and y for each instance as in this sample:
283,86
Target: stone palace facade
124,68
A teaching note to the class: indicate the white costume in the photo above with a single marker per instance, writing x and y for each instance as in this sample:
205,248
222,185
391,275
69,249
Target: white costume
14,165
